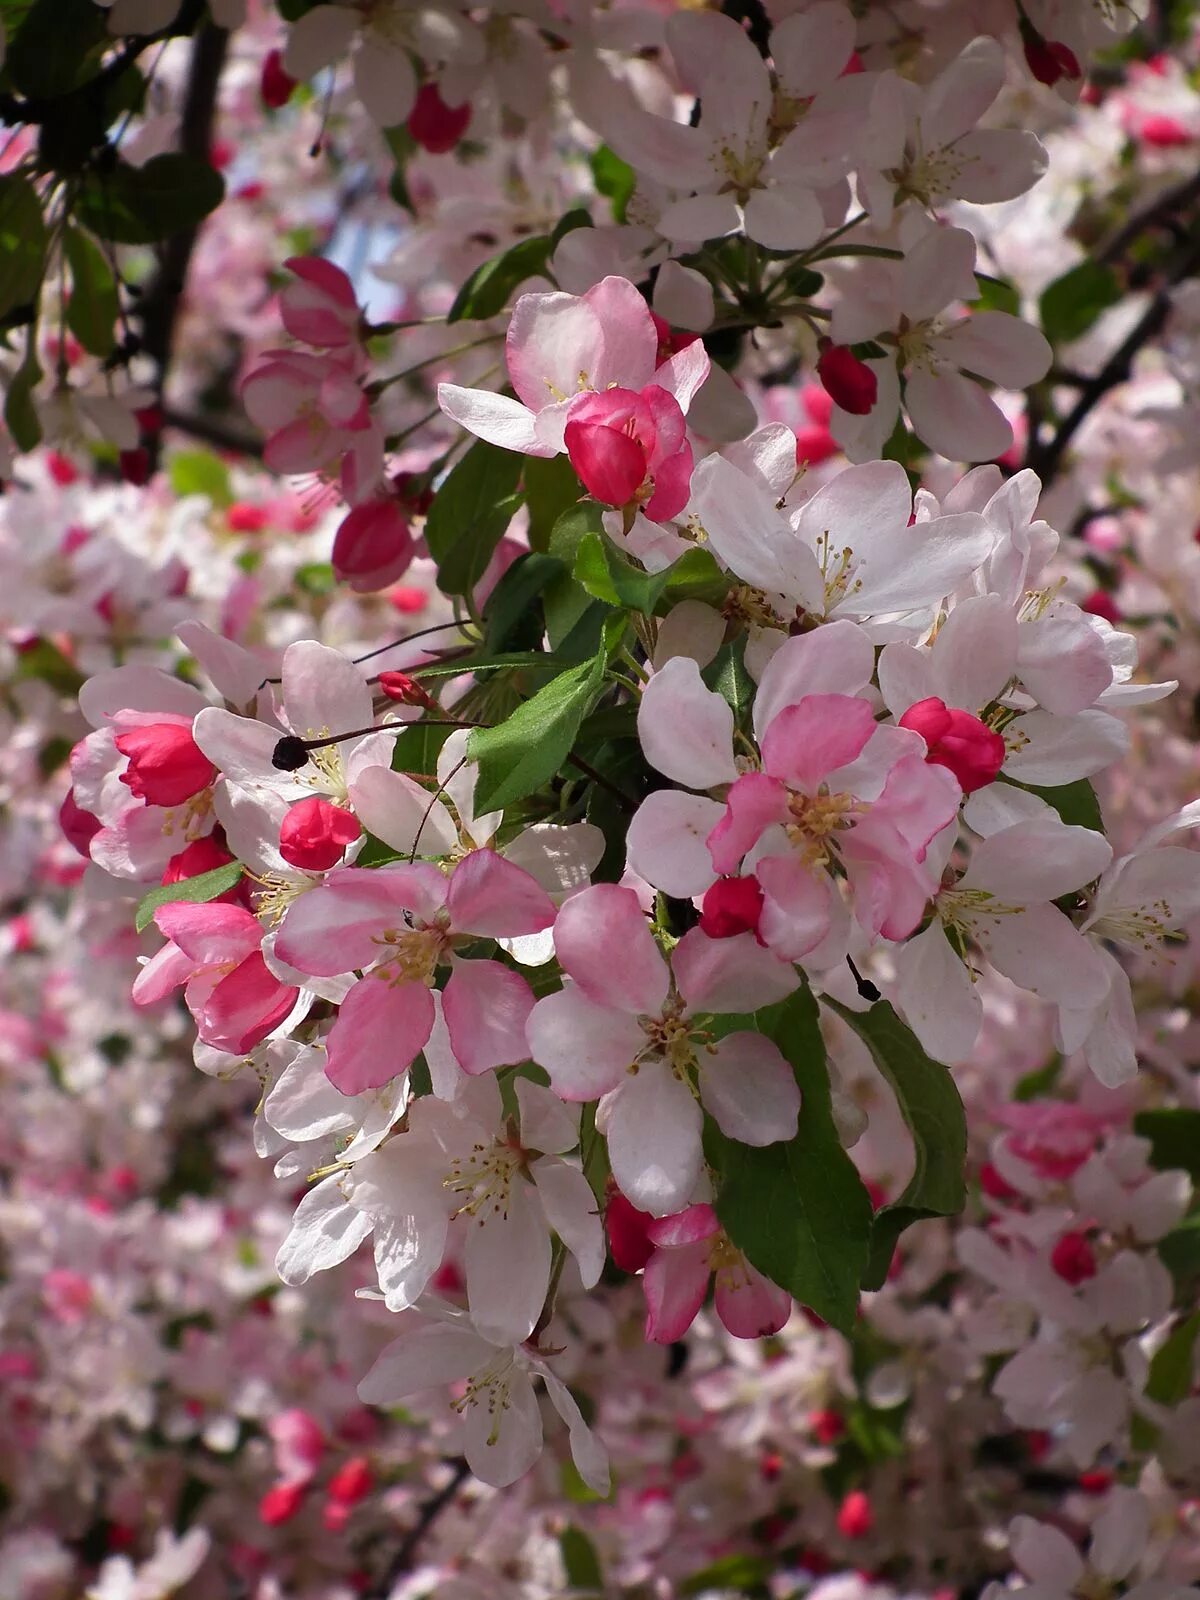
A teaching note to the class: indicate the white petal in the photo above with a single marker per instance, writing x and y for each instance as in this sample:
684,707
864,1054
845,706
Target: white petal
654,1127
507,1260
325,1230
686,730
666,841
572,1212
750,1089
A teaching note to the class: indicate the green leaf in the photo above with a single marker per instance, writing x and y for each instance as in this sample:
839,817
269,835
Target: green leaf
580,1561
614,179
46,662
205,886
930,1105
1174,1136
551,488
997,295
418,747
470,512
59,45
1071,304
22,246
798,1210
727,675
20,413
141,205
607,575
1076,803
742,1573
1179,1252
528,748
566,601
696,576
1170,1377
511,617
486,292
93,307
200,472
1041,1081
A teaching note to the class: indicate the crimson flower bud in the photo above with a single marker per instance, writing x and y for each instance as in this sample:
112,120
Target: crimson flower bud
855,1519
166,765
849,382
79,827
628,1241
202,855
314,834
351,1482
275,85
404,690
730,907
957,741
1048,59
280,1503
436,126
373,546
1072,1258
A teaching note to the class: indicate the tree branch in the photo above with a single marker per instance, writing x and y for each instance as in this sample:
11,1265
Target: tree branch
214,431
426,1517
1046,459
159,307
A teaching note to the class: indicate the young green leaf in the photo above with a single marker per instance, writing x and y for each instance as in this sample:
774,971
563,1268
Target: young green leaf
528,749
205,886
1174,1135
607,575
930,1105
470,512
22,246
92,307
798,1210
141,205
1071,304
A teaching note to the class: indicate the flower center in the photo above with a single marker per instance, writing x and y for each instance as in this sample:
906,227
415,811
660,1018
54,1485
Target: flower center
484,1178
489,1387
412,954
814,819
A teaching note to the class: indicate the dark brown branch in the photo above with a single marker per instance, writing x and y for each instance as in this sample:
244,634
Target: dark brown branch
160,305
1180,197
214,431
428,1514
1046,459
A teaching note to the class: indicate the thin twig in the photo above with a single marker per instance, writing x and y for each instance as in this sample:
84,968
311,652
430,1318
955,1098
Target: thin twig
429,1512
212,430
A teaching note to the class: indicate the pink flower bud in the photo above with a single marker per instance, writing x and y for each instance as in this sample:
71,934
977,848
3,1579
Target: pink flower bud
436,126
826,1426
320,308
1101,604
275,85
202,855
351,1482
373,546
299,1444
79,827
850,382
166,765
1073,1260
957,741
314,834
280,1503
855,1519
404,690
628,1239
731,906
1164,133
1049,60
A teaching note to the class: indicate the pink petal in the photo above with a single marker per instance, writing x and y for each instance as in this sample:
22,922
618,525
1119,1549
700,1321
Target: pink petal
610,465
209,934
753,803
749,1305
797,906
486,1008
685,1227
336,927
587,1048
164,972
820,734
495,899
750,1090
602,940
729,974
675,1283
379,1031
245,1007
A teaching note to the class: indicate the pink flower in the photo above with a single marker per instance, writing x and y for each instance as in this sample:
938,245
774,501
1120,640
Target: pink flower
299,1445
316,417
957,741
632,1027
215,951
689,1248
401,923
562,347
275,85
166,766
631,449
730,907
320,308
